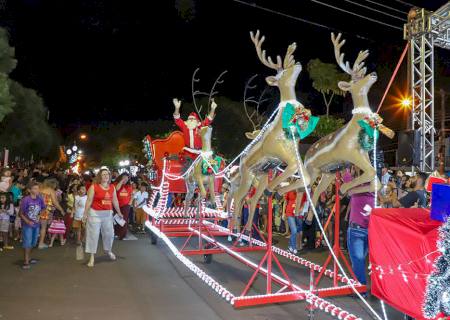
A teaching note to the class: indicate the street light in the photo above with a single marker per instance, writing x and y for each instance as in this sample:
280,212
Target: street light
83,136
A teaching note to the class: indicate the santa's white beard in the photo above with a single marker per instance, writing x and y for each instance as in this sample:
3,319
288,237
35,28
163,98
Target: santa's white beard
191,124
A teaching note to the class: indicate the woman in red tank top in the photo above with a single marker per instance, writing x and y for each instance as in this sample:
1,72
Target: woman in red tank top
98,215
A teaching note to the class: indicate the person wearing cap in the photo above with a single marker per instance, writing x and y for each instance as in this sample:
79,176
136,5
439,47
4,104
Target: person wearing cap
191,127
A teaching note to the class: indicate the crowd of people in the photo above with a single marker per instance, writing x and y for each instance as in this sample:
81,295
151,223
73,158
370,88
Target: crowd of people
41,208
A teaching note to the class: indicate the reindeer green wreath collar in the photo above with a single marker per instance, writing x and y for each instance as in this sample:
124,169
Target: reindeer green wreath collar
300,118
213,163
371,126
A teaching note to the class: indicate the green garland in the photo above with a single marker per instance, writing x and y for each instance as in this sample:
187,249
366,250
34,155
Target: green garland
367,135
365,141
215,162
300,118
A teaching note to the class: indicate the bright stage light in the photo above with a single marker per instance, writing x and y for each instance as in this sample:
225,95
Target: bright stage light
74,148
406,102
83,136
69,152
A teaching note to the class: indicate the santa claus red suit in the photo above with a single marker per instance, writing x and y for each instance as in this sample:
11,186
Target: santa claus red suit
192,139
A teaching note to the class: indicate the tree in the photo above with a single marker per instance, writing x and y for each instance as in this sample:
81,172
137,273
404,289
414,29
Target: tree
327,125
325,77
26,130
7,64
6,99
186,9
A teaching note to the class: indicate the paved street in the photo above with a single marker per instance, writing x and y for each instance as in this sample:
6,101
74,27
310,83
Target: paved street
146,283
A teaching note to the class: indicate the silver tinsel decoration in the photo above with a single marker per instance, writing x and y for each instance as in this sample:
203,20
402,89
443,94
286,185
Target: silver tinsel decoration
437,295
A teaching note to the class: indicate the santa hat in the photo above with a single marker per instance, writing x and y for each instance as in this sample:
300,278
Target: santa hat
193,114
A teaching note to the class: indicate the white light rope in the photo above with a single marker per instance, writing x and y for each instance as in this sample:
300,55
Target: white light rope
383,308
216,286
254,141
336,260
375,166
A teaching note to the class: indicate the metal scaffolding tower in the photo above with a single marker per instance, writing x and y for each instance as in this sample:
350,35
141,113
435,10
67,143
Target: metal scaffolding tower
424,31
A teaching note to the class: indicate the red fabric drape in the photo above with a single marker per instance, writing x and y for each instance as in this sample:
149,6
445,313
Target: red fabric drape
398,236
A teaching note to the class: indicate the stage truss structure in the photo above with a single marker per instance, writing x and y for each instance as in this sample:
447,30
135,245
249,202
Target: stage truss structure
424,31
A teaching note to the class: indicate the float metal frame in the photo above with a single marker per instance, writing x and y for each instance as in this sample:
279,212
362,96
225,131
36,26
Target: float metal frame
202,225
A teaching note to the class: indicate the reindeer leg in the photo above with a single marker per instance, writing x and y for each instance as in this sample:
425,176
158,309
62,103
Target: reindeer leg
212,194
190,188
263,181
239,196
290,170
202,189
325,181
364,164
367,188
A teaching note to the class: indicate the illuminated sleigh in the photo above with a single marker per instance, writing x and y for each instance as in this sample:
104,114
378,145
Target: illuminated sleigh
169,162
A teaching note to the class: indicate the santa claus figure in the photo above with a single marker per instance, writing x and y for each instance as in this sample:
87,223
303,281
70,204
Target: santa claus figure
191,127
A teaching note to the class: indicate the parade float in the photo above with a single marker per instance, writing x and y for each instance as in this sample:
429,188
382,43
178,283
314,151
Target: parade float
271,158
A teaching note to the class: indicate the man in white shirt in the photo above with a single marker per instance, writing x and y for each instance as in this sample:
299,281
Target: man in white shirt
140,199
385,177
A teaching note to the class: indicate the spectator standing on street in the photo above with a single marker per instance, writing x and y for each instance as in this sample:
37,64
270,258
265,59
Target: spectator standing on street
140,199
48,192
132,215
5,180
80,204
361,205
294,221
415,198
30,208
385,178
99,215
6,211
57,229
124,192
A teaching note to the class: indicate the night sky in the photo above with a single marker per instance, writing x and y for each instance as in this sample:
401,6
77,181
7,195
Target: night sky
125,60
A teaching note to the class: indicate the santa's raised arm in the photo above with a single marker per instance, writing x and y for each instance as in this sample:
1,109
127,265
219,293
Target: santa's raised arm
190,127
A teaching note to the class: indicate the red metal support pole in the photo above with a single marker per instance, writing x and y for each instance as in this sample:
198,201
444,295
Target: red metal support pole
337,216
269,240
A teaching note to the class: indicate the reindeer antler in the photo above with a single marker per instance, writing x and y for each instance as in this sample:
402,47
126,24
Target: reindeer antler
289,58
262,53
259,118
196,93
358,69
212,93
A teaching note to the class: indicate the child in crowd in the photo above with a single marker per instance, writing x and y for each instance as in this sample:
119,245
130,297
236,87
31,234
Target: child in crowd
70,204
6,211
57,228
31,207
131,217
16,191
5,180
80,204
140,199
